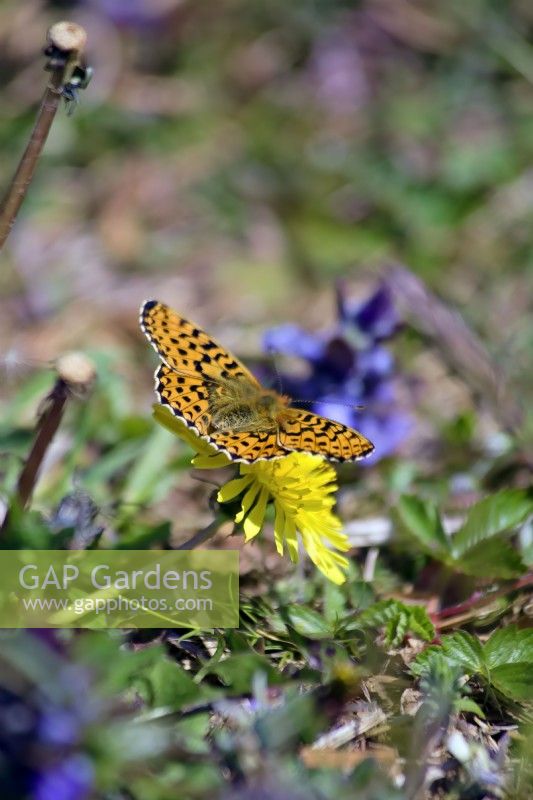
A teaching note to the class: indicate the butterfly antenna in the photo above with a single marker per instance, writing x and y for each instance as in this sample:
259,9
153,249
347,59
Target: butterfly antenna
353,406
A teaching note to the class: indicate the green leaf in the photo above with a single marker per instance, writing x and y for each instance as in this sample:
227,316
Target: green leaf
466,705
420,623
505,661
238,672
334,602
465,650
494,516
514,680
494,558
397,618
396,629
149,479
143,536
297,719
508,646
420,519
429,659
169,685
459,649
308,622
192,733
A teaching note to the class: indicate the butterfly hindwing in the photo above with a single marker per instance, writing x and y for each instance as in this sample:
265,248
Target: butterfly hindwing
247,446
188,349
310,433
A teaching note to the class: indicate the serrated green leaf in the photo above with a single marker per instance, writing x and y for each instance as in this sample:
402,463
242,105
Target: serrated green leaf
508,646
460,649
494,558
421,520
494,516
396,628
308,622
398,618
465,650
514,680
420,623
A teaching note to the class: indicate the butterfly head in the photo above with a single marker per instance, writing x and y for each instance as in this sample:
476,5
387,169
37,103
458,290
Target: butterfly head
271,401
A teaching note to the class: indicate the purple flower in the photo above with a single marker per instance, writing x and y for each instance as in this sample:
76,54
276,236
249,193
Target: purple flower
40,737
376,318
293,340
349,367
58,727
71,779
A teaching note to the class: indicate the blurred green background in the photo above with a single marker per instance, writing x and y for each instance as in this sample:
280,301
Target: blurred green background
232,158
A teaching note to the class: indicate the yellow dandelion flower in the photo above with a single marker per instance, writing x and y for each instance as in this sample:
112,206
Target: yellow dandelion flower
301,488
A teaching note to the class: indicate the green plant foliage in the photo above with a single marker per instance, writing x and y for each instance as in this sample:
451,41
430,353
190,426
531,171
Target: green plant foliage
478,548
504,662
397,619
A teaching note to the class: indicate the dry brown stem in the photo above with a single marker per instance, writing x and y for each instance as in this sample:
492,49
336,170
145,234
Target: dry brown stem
65,44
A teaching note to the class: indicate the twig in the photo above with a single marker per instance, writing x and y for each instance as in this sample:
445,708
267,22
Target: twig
66,42
75,375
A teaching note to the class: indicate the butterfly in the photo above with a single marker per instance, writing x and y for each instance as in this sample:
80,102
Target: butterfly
216,396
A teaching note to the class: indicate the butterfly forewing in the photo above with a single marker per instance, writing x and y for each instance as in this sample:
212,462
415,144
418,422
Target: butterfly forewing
186,348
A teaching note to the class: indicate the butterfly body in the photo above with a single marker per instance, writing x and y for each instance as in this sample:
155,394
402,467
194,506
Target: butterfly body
237,406
216,396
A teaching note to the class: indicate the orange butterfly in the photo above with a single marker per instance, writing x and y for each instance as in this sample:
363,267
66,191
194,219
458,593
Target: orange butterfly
218,398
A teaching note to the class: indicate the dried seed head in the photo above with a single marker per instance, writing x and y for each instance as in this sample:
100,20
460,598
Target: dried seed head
67,36
76,369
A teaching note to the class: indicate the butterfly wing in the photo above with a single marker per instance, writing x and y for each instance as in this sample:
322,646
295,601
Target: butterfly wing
187,398
186,348
248,447
309,433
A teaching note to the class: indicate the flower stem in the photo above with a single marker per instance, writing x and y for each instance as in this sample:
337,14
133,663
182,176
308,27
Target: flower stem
203,535
75,376
46,429
66,41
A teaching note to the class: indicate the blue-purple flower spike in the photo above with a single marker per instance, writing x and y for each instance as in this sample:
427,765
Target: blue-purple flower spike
350,366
